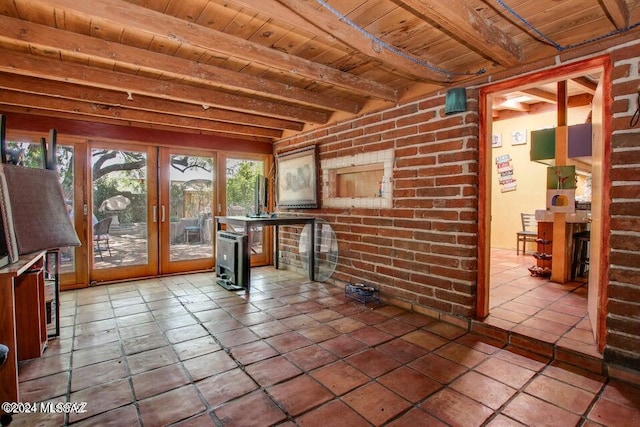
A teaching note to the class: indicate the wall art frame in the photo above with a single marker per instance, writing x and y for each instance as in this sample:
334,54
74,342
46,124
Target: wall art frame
297,179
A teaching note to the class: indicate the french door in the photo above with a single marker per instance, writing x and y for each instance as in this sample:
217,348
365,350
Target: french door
157,205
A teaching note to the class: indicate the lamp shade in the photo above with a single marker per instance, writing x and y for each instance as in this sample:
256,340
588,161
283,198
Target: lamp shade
455,101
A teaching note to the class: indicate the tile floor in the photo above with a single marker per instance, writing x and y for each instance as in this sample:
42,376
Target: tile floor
536,307
183,351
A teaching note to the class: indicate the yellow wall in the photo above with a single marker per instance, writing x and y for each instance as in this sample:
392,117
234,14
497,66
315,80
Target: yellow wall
530,193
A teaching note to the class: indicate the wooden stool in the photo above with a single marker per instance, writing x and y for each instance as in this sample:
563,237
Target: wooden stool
580,254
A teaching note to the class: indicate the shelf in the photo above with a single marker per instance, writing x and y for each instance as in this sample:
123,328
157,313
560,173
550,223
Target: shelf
539,271
542,256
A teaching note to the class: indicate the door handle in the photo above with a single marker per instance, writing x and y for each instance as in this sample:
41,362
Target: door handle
155,213
163,217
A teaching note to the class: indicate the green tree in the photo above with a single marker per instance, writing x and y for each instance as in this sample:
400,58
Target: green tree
241,178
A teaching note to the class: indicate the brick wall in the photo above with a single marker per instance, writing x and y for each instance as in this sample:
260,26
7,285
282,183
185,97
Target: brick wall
422,252
623,319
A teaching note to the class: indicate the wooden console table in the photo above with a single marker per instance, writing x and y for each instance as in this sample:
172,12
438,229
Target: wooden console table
248,223
23,319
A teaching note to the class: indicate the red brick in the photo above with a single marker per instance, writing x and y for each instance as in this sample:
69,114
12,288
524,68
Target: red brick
441,146
378,127
625,208
460,156
624,276
415,161
625,87
416,118
441,170
399,112
438,192
434,237
625,342
626,326
392,272
430,281
625,224
628,259
399,133
438,260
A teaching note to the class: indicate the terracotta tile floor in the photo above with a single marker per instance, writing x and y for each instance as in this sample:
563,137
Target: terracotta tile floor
536,307
183,351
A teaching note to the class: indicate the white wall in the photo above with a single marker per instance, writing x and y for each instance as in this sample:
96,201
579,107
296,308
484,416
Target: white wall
530,193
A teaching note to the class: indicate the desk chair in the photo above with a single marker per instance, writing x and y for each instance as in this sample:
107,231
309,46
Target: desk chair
529,232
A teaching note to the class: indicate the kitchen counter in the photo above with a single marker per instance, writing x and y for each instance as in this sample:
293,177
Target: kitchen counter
577,217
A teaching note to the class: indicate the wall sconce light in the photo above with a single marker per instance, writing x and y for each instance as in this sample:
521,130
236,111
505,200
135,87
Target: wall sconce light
456,101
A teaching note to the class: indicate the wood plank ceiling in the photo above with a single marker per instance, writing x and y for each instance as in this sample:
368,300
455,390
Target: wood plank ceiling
261,69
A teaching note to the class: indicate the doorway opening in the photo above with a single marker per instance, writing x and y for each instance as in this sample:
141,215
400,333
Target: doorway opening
534,293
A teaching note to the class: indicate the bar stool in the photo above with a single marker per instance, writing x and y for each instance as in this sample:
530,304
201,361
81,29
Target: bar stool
580,253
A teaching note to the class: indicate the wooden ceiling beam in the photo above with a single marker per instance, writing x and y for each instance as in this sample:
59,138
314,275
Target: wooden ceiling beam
327,23
172,29
91,109
118,99
586,84
93,49
540,95
36,66
617,11
74,117
469,27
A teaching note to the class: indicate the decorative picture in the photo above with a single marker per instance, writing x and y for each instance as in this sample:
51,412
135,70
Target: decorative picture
296,179
561,200
561,177
518,137
496,142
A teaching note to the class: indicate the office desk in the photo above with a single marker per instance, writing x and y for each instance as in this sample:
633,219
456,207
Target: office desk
248,223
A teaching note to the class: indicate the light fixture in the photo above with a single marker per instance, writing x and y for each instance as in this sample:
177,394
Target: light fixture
455,101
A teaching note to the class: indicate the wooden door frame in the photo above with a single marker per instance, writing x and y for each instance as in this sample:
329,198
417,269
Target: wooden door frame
486,93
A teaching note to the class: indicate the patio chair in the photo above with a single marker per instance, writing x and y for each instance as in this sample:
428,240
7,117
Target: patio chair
101,234
529,232
196,229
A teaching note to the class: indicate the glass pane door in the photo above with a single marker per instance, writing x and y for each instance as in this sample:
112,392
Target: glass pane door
122,238
241,175
186,210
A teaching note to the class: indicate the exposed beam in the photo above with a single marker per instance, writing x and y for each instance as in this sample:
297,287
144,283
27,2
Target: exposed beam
91,109
29,111
328,23
284,14
80,46
172,29
617,11
510,104
540,95
36,66
585,84
118,99
467,25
